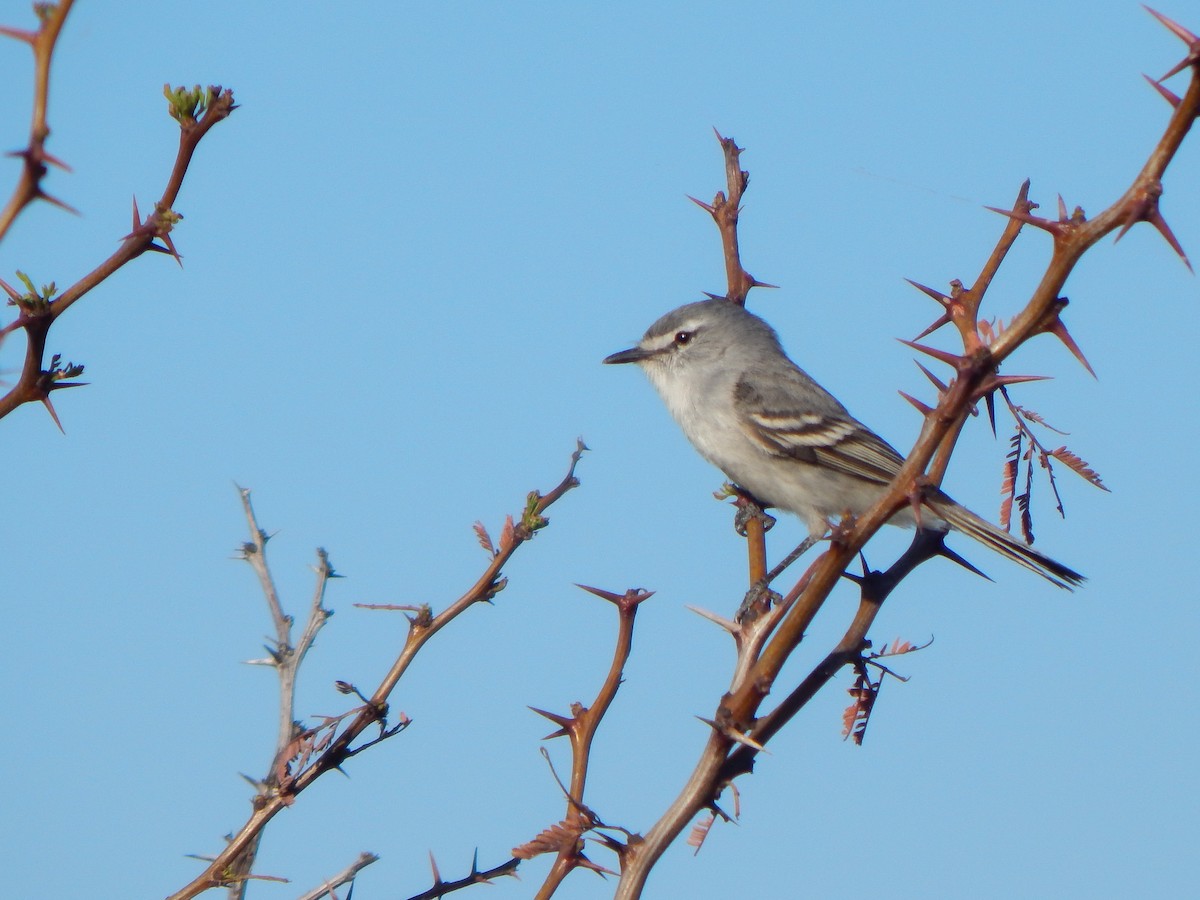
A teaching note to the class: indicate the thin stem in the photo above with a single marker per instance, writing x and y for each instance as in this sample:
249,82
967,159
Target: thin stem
345,876
582,728
43,42
421,628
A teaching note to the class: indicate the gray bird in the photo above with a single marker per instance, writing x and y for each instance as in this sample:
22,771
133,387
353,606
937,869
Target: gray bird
780,436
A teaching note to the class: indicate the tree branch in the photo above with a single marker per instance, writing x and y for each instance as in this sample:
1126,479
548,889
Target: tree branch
737,729
325,748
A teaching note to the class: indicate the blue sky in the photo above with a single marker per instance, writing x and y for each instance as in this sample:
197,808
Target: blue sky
404,257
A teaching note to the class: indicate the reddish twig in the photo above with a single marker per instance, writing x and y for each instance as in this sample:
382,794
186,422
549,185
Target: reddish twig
34,156
725,209
580,727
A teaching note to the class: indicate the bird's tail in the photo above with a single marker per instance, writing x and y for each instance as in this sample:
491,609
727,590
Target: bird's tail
962,519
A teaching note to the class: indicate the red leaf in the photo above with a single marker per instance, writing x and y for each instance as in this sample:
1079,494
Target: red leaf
1078,466
485,540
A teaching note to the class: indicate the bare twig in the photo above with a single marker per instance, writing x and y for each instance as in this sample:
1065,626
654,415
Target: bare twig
316,757
285,657
345,876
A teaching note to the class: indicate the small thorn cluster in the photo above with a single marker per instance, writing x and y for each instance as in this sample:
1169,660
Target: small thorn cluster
1193,55
157,226
1144,208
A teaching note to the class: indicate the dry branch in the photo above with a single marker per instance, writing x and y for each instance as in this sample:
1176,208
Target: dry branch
312,752
346,876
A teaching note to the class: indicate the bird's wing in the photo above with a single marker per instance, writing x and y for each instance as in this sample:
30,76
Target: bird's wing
797,418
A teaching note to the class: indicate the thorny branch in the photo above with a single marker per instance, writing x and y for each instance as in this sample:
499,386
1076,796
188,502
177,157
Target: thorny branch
315,751
738,731
196,111
580,727
34,156
441,888
725,209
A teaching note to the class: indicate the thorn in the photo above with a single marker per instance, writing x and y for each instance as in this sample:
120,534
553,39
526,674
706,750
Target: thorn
950,359
730,626
1005,380
990,400
1154,217
1062,209
137,220
166,239
856,579
943,319
922,408
566,725
949,554
19,34
711,296
734,735
754,282
936,381
1059,330
1188,60
584,863
55,161
1167,94
1174,27
50,408
1055,228
1145,209
708,207
941,298
56,202
630,598
998,381
437,876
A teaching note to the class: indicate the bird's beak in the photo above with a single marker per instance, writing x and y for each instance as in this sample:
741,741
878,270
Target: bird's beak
632,355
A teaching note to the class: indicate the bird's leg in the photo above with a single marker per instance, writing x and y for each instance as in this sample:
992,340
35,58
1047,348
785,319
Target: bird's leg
752,523
803,547
759,598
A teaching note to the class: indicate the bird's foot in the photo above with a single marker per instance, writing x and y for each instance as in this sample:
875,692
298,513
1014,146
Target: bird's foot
757,601
749,509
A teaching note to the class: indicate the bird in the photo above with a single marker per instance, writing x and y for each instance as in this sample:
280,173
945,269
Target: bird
782,438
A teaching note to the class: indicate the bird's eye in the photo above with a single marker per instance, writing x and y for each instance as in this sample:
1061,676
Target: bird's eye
684,337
